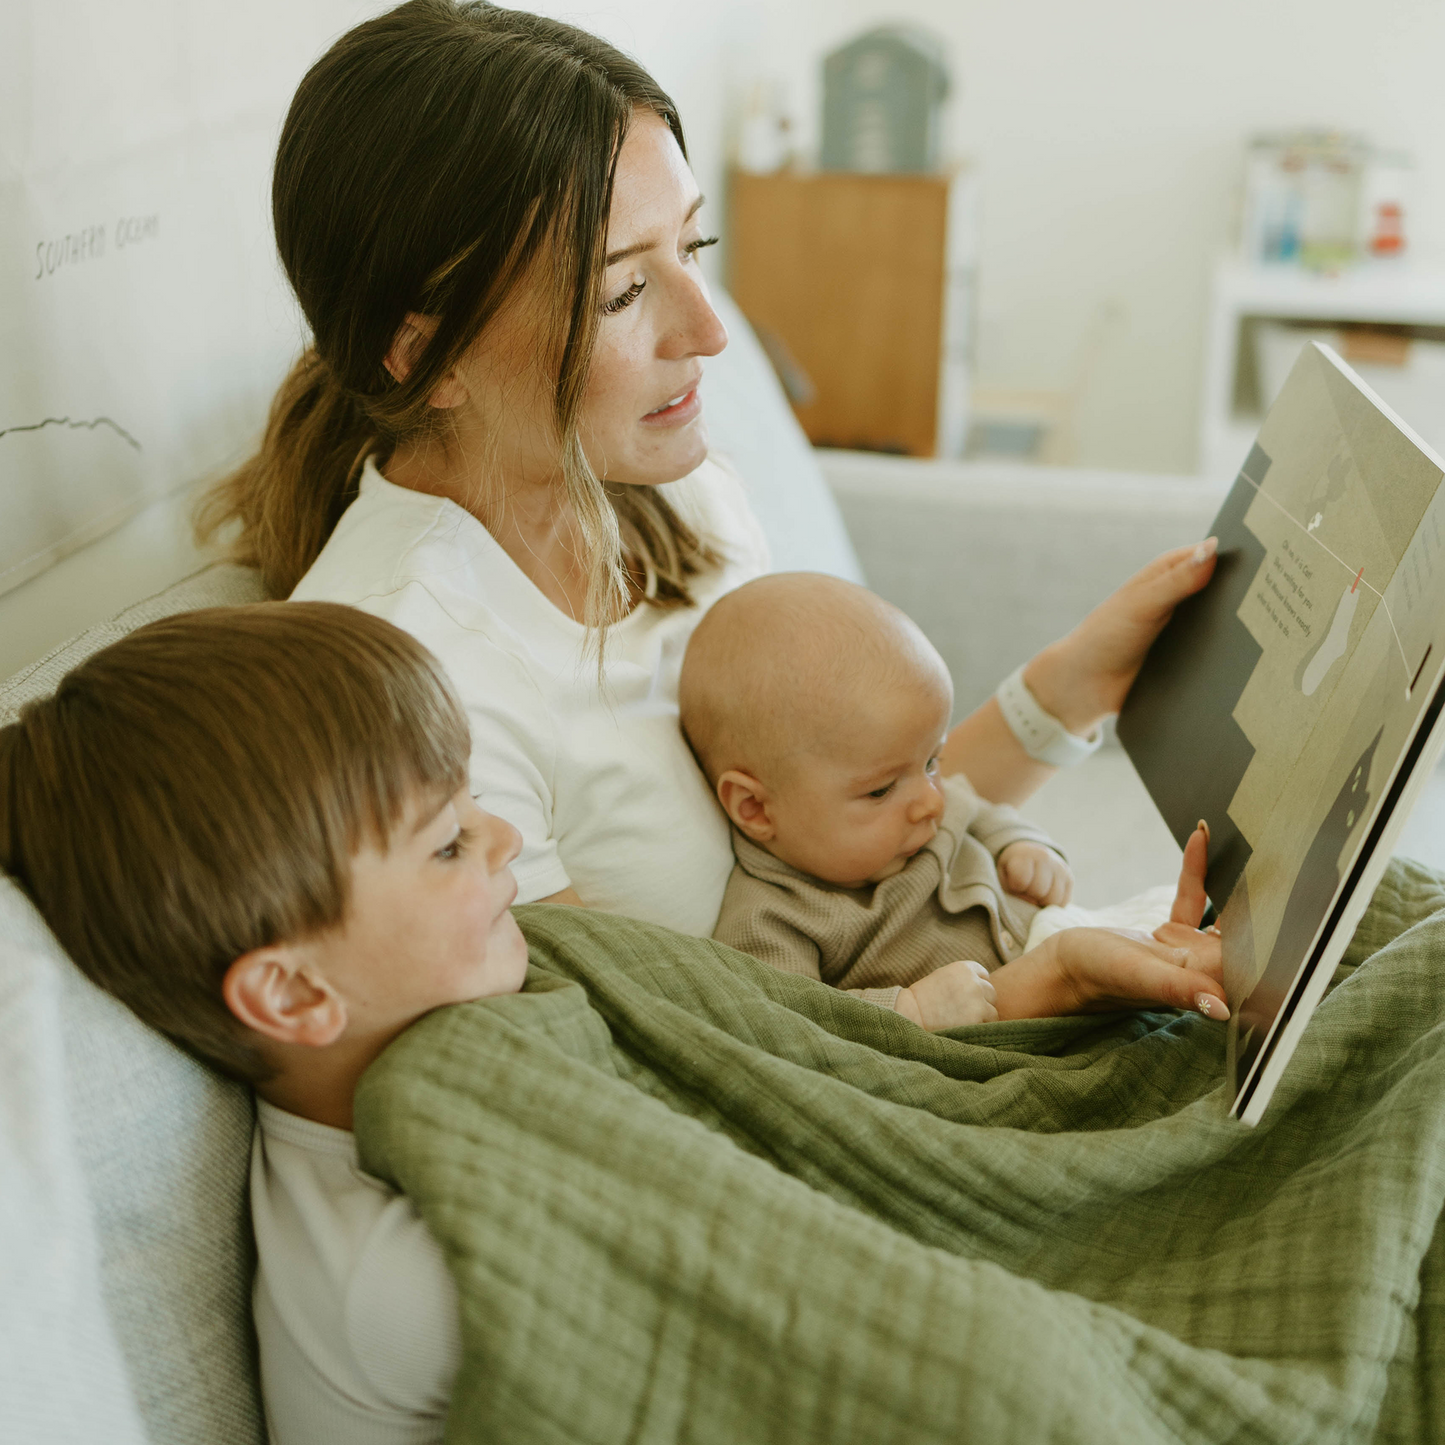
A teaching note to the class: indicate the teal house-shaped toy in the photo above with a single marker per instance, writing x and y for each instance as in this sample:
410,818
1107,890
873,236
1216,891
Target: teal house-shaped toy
883,95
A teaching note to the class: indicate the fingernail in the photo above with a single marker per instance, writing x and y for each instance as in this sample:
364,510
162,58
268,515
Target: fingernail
1210,1007
1205,826
1205,550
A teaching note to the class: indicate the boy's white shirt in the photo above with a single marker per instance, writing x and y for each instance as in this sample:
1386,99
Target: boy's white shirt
599,781
356,1313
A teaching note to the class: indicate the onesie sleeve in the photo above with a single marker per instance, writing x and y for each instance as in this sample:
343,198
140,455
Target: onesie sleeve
997,826
514,748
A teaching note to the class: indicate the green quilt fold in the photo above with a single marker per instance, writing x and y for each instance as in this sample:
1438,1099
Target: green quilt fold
687,1198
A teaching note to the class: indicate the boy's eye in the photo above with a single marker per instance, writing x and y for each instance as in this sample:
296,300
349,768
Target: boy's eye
456,847
882,792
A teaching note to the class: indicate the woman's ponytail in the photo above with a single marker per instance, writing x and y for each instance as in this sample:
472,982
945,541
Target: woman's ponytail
288,497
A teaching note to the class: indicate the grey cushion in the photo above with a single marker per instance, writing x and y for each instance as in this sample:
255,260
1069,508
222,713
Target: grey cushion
163,1144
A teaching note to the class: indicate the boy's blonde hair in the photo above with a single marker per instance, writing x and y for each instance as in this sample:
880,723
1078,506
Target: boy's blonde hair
198,789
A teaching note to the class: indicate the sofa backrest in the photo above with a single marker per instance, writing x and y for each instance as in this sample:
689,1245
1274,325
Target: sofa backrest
163,1148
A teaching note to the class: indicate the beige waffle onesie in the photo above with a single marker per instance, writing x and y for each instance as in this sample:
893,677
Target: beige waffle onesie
946,904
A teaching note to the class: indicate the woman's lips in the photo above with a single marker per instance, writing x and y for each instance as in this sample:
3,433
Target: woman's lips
680,409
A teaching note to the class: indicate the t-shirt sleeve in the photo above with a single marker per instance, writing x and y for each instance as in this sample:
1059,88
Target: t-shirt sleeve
402,1315
514,746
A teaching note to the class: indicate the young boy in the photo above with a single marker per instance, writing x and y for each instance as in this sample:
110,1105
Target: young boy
252,825
818,712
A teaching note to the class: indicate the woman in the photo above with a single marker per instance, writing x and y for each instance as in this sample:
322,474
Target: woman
497,440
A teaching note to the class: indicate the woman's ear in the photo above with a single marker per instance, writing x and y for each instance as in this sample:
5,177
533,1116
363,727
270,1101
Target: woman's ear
745,801
406,349
274,991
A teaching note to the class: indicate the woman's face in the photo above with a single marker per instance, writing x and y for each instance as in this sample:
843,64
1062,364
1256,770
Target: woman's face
642,420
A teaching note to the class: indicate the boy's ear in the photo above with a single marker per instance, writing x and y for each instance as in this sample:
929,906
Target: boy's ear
406,349
274,992
745,801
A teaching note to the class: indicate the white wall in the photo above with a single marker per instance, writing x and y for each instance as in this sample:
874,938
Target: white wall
1108,135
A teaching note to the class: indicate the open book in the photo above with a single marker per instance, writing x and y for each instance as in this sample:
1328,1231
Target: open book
1295,704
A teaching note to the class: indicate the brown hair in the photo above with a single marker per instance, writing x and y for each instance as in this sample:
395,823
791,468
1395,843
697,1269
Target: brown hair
198,789
429,158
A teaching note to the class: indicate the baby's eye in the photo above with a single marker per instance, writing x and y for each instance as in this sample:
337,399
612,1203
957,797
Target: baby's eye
882,792
931,767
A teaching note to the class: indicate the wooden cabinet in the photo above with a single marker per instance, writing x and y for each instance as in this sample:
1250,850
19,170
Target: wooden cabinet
863,285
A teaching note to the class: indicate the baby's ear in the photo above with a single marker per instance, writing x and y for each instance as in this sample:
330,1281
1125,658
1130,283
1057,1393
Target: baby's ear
745,801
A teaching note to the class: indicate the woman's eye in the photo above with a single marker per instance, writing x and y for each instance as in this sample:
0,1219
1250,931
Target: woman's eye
693,247
882,792
625,299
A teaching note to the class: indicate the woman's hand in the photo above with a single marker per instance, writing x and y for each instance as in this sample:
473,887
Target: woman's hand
1082,678
1090,970
1086,676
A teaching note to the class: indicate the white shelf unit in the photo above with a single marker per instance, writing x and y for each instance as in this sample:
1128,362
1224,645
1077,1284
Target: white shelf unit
1382,293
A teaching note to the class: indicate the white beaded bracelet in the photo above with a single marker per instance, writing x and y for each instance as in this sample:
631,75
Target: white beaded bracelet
1041,735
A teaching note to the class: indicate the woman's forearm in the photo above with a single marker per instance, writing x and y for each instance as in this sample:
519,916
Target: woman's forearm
983,748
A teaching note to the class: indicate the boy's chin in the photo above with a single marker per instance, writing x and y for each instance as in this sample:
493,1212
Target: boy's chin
507,952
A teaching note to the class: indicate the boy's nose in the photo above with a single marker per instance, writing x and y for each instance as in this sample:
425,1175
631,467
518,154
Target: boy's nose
506,843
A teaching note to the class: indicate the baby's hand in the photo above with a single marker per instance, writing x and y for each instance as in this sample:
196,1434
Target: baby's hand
1029,870
949,997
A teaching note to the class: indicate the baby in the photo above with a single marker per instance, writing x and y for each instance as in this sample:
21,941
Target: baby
818,711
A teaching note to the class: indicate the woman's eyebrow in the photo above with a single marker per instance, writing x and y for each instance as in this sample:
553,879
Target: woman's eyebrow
613,257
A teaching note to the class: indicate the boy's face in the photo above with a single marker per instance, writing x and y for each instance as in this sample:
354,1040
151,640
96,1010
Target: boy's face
855,809
428,923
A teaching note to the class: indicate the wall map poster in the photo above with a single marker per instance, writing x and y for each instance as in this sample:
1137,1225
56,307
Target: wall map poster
143,318
1282,703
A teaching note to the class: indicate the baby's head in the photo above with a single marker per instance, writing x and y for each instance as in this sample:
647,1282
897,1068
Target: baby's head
252,825
817,711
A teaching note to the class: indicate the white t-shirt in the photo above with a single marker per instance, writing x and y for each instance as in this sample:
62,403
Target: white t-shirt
356,1313
598,780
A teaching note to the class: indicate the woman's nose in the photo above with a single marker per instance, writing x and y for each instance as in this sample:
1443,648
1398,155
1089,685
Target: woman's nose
695,329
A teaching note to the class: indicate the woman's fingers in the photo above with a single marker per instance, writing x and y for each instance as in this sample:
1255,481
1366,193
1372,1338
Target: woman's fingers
1179,573
1111,969
1190,899
1087,675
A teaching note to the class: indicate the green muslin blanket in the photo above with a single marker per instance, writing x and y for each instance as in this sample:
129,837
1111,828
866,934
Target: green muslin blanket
690,1199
